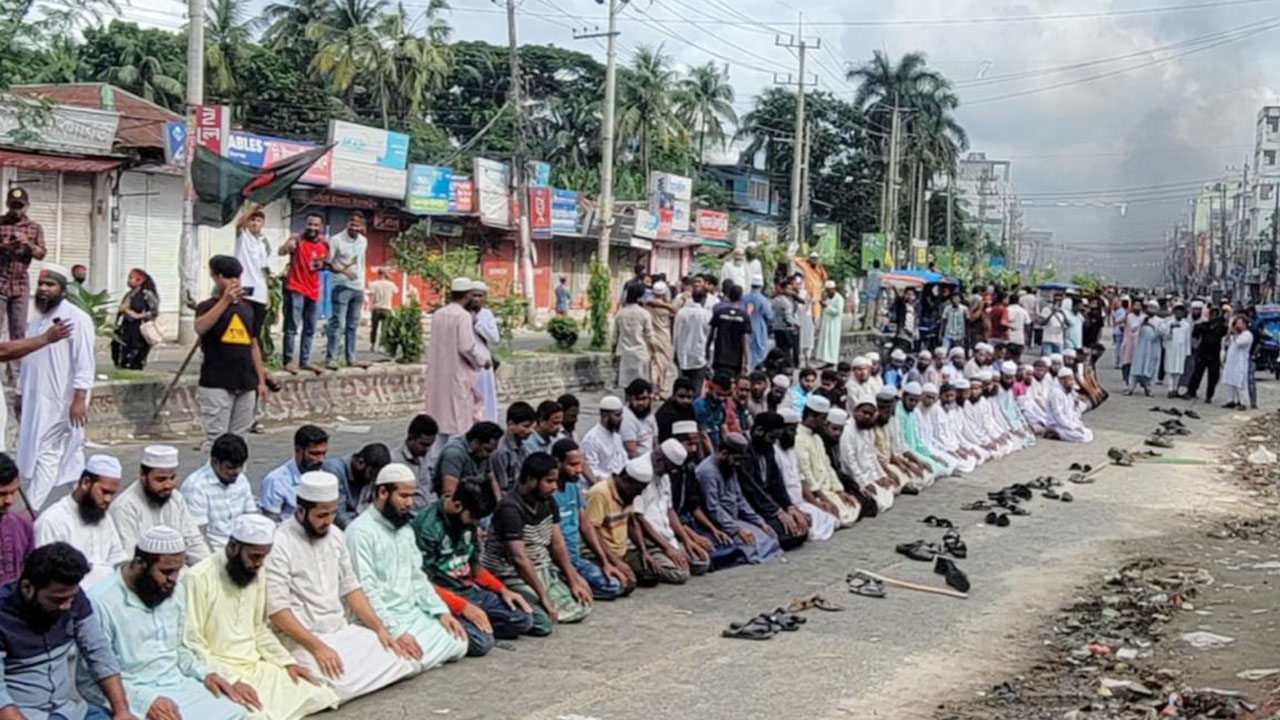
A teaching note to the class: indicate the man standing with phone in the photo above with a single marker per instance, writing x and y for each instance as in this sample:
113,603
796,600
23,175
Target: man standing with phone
307,255
231,377
21,241
346,293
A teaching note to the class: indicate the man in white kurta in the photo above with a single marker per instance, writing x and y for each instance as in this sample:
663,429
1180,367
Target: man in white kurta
1033,402
858,456
859,388
974,427
938,434
152,501
1175,333
81,519
816,473
53,392
310,586
226,626
1064,414
828,350
952,420
1005,402
822,524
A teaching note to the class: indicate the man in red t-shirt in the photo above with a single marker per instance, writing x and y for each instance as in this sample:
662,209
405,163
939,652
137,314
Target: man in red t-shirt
307,255
998,320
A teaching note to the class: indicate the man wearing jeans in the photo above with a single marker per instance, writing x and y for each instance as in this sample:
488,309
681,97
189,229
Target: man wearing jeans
21,241
231,375
307,254
346,291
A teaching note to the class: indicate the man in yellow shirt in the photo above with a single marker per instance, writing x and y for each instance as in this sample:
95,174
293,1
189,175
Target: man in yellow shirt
608,506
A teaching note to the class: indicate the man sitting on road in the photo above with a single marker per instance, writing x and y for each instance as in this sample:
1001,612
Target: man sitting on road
1064,421
218,492
602,445
81,519
466,457
151,501
612,578
818,478
728,509
669,547
310,446
356,474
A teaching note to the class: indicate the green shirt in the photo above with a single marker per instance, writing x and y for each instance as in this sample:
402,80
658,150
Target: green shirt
449,561
389,567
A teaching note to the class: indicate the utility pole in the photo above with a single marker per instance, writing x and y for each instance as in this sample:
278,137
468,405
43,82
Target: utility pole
806,210
893,183
518,166
188,244
798,143
606,133
951,194
1227,270
1275,241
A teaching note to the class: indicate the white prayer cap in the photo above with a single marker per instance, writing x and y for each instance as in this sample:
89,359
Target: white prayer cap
684,427
973,375
104,466
56,269
318,486
830,284
253,529
1027,367
162,540
640,469
1069,353
930,389
1042,360
781,381
897,355
887,393
660,288
912,388
1009,367
960,384
818,404
837,417
939,351
1055,358
757,281
789,416
460,284
986,375
674,451
873,356
394,474
1197,304
610,403
860,362
1065,372
1153,304
956,351
480,285
160,456
983,347
925,355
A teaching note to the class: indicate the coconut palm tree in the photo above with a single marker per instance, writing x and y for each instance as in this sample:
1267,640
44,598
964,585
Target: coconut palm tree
407,65
227,32
140,68
705,102
647,109
346,42
287,22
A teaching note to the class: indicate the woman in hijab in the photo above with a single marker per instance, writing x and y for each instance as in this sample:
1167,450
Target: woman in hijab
129,347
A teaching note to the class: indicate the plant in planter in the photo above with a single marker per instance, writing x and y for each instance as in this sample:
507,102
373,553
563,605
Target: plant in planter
96,305
599,296
402,338
564,331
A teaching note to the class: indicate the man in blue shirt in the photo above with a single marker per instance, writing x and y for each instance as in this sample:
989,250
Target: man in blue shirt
279,491
872,287
611,579
562,296
356,474
761,314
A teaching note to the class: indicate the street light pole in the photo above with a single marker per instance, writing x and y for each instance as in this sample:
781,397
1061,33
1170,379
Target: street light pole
188,244
606,134
518,167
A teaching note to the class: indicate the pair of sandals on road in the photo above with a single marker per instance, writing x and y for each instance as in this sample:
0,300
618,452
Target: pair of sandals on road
952,545
765,625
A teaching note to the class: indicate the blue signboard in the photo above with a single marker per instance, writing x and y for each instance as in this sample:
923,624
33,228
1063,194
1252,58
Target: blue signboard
429,189
175,142
539,174
247,148
564,212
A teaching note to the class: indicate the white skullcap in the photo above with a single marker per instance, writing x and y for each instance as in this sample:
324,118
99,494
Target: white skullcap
925,355
1042,360
1197,304
873,356
781,381
757,281
986,375
660,288
104,466
480,285
162,540
674,451
1009,367
860,362
930,389
56,269
460,284
1065,372
318,486
913,388
837,417
818,404
960,384
1153,304
160,456
939,352
887,393
610,403
830,284
253,529
983,347
640,469
684,427
1069,353
1027,367
956,351
897,354
394,474
1055,358
789,416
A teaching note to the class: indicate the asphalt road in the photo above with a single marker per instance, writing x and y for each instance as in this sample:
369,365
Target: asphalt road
659,654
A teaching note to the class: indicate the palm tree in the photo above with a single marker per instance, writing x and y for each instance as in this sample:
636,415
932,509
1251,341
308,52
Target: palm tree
706,103
406,65
141,71
568,134
227,32
346,43
647,106
288,22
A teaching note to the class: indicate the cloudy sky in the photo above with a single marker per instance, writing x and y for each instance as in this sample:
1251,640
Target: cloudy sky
1177,107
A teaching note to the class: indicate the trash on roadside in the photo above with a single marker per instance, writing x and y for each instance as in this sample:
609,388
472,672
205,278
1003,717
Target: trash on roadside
1202,639
1262,456
1257,674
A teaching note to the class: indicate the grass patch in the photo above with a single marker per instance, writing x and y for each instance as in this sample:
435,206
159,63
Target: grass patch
116,373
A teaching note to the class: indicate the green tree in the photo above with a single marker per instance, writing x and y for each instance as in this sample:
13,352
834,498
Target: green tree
288,23
346,43
705,102
147,63
648,118
228,33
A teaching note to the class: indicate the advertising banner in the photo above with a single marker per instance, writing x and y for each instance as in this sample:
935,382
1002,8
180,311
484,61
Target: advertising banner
462,195
826,240
175,142
213,125
429,190
369,145
670,196
362,179
713,224
493,192
873,247
264,151
540,212
564,212
539,174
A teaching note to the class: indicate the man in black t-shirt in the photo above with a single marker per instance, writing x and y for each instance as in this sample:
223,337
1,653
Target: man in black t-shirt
677,407
730,330
231,374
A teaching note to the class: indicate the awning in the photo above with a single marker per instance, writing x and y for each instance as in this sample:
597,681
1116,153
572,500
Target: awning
56,163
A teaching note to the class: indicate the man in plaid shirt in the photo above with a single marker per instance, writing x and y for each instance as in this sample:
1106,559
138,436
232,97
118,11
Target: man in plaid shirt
21,241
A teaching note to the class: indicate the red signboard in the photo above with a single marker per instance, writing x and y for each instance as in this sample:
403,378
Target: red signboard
213,122
540,212
462,192
713,224
318,174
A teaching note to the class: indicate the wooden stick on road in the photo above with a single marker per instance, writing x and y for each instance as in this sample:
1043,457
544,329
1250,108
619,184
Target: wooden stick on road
177,376
913,586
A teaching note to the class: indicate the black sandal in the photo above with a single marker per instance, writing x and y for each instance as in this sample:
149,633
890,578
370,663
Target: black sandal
934,521
954,576
1066,497
918,550
954,546
1050,494
860,584
976,505
757,628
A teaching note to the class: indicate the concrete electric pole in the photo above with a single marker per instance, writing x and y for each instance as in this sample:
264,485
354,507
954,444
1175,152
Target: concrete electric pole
518,166
606,132
798,142
189,244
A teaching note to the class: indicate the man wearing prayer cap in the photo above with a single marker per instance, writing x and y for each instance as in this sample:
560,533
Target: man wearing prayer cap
1007,404
860,460
81,520
602,446
860,386
388,567
1062,412
830,326
455,356
56,380
908,420
610,505
668,548
937,433
152,501
311,587
226,626
728,509
761,479
820,484
891,449
141,616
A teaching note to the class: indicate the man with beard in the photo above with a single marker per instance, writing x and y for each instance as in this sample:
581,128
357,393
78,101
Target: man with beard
677,407
924,361
738,415
547,426
602,445
763,486
895,374
17,537
152,501
1008,407
611,578
758,398
356,473
388,567
310,446
954,369
44,616
877,371
218,492
1032,402
994,419
639,429
955,400
860,460
722,495
938,435
413,452
80,519
455,356
890,449
55,380
307,254
860,388
311,587
977,421
668,549
933,373
608,511
818,479
226,627
448,535
1063,413
21,348
141,617
778,393
687,501
908,428
466,457
821,523
526,550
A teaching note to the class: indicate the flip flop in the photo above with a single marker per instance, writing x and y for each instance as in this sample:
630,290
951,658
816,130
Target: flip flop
860,584
826,605
954,576
918,550
1080,479
1191,414
783,620
750,630
976,505
1066,497
1019,510
997,519
934,521
813,602
954,546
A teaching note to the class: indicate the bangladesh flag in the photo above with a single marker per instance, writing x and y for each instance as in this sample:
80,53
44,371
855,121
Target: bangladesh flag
222,186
